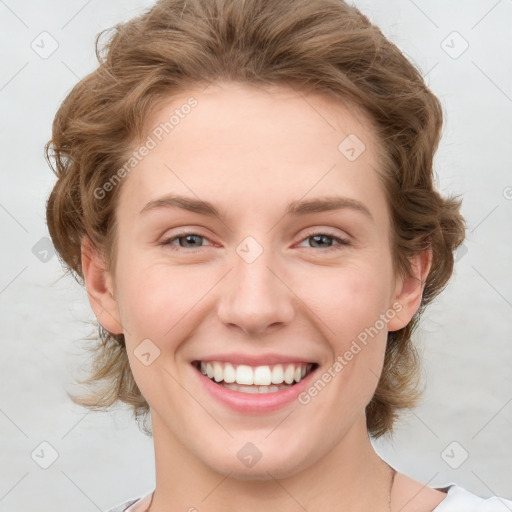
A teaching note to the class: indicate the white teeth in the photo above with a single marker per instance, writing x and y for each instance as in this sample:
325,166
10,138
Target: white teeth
289,373
254,389
264,378
229,373
277,374
244,375
217,372
234,387
250,389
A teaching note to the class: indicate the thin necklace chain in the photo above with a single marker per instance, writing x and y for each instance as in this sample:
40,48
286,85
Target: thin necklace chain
393,473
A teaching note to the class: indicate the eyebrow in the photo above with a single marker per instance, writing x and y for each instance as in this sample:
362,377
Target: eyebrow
298,208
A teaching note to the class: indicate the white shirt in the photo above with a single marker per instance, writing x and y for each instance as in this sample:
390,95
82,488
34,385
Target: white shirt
457,500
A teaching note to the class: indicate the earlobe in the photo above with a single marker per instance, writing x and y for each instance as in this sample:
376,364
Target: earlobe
98,284
409,291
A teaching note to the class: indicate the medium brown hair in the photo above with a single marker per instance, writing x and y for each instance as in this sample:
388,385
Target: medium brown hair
323,46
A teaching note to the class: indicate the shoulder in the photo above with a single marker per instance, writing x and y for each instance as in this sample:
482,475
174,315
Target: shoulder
124,506
138,504
459,499
412,496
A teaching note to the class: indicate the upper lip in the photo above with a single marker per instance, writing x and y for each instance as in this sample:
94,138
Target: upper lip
254,360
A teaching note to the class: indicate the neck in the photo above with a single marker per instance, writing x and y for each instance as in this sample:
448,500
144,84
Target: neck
350,477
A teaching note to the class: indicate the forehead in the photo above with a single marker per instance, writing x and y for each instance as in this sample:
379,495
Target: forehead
242,144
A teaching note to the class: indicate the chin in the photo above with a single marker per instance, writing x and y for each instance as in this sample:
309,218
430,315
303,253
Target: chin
272,466
261,472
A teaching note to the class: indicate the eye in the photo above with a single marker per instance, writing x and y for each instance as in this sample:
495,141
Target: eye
324,241
184,239
189,240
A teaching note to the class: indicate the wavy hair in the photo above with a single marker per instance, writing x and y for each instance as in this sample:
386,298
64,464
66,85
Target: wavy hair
324,46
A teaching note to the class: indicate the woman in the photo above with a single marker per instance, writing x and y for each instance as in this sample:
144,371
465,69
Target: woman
291,145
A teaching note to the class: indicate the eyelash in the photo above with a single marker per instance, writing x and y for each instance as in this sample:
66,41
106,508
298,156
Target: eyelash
341,241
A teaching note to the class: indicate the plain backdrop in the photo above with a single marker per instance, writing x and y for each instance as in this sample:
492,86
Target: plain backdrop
461,432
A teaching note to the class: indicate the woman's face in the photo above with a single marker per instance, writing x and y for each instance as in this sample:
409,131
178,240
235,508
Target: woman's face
286,269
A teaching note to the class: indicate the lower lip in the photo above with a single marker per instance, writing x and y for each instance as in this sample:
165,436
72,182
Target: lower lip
254,403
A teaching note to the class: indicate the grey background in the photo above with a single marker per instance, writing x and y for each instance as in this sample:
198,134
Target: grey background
465,337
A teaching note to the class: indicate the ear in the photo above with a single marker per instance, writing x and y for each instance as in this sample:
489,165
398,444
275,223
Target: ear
99,286
409,290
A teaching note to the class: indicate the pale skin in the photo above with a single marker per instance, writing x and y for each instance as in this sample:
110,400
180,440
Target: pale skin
250,152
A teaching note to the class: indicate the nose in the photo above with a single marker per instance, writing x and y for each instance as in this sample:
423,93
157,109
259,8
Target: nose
255,298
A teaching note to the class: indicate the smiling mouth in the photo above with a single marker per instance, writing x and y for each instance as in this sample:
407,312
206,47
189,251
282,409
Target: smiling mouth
254,379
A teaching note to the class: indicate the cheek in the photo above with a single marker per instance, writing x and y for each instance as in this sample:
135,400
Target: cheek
162,302
348,300
346,296
352,305
157,313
